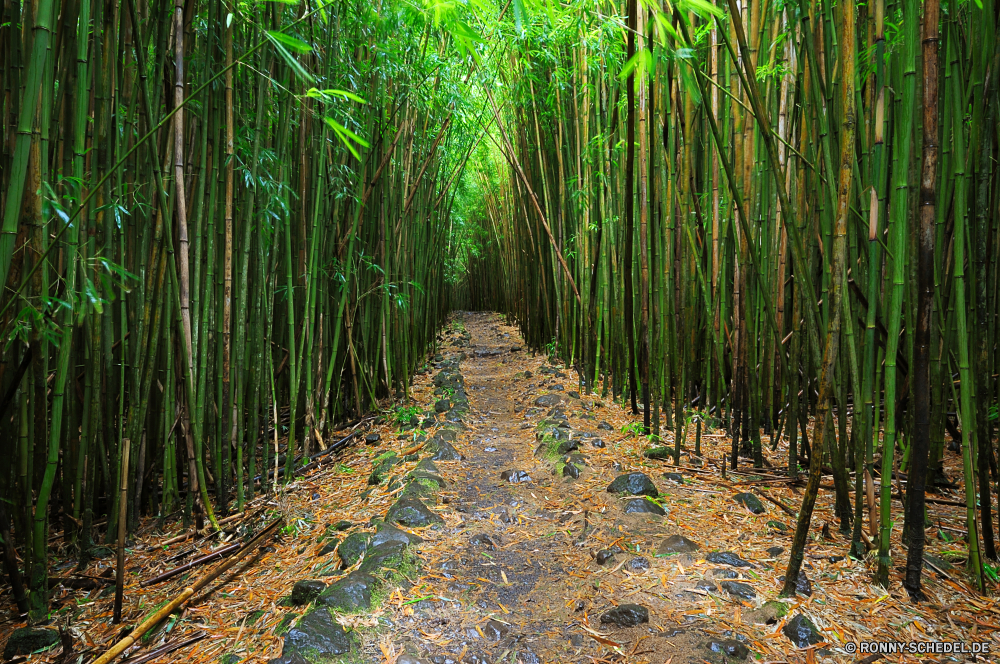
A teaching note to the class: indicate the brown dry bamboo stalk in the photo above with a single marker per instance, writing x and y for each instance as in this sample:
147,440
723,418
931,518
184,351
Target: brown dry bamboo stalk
183,597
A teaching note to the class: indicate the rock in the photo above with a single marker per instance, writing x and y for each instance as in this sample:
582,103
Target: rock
775,551
442,405
494,630
634,484
658,453
637,565
678,544
388,533
342,525
567,446
230,658
27,640
427,466
674,477
597,442
706,585
779,526
411,512
604,426
751,502
569,470
409,659
489,449
737,589
350,593
318,636
372,439
388,556
328,548
802,584
482,540
626,615
352,548
617,467
604,555
449,435
306,591
802,632
724,573
515,476
643,506
573,394
768,614
726,558
729,648
548,400
446,452
430,480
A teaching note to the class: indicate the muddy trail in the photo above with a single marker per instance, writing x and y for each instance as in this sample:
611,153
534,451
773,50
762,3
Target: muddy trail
526,556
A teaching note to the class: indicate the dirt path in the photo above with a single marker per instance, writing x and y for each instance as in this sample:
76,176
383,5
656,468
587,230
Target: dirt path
514,574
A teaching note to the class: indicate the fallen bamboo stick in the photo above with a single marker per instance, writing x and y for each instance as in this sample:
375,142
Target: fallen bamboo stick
166,649
207,558
185,595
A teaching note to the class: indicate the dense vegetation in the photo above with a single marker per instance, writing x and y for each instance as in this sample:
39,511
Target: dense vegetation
230,228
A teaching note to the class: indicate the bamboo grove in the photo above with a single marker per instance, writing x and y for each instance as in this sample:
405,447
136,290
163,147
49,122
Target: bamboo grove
777,216
224,235
230,228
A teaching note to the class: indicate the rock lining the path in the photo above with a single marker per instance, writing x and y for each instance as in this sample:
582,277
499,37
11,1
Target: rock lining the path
634,484
626,615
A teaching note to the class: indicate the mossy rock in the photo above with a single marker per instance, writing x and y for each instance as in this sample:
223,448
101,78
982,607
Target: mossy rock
352,548
659,453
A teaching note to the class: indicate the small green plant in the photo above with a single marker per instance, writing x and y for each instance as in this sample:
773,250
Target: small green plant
633,428
404,414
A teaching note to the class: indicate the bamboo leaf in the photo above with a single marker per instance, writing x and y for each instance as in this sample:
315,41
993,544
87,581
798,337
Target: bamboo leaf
289,42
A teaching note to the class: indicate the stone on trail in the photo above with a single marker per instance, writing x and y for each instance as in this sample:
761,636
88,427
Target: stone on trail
724,573
373,439
328,548
388,556
389,533
569,470
449,435
626,615
411,512
494,630
637,564
706,585
729,648
515,476
597,442
775,551
573,394
802,632
548,400
27,640
316,636
604,426
305,591
779,526
678,544
442,405
428,466
643,506
802,584
674,477
352,548
350,593
446,452
726,558
658,453
604,555
751,502
482,540
634,484
737,589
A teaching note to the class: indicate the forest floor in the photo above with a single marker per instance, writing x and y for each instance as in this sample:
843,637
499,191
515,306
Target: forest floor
553,568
